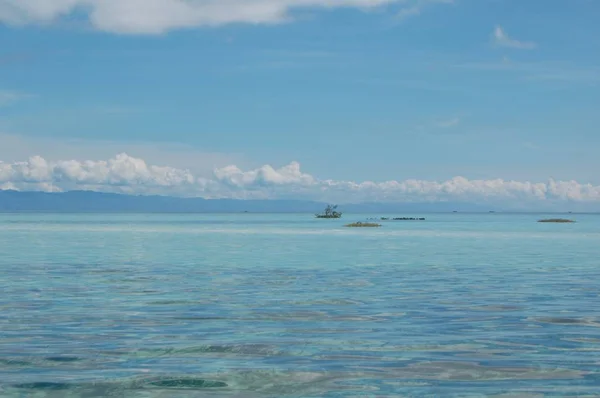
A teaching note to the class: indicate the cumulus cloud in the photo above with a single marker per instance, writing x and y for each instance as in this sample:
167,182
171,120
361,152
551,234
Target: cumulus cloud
158,16
126,174
501,38
264,176
121,174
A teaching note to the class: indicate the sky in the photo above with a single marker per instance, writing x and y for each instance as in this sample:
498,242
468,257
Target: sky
347,100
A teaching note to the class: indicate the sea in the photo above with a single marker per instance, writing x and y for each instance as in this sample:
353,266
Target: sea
286,305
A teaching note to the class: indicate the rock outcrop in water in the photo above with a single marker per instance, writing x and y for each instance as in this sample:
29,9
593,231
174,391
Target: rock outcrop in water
363,225
557,221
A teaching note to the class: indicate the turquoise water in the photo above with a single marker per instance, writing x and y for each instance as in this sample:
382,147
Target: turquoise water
288,306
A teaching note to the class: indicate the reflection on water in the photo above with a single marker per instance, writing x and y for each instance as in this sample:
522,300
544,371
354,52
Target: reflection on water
113,308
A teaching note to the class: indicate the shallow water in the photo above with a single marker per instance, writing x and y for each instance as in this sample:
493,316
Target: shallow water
288,306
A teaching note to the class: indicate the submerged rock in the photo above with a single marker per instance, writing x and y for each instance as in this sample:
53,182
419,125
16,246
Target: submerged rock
557,220
43,386
188,383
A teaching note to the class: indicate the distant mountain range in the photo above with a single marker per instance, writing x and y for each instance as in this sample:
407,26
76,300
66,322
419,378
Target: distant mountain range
96,202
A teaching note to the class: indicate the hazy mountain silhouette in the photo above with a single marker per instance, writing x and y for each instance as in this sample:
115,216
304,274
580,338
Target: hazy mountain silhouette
96,202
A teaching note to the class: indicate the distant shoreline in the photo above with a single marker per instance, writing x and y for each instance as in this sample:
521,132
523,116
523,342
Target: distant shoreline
90,202
311,215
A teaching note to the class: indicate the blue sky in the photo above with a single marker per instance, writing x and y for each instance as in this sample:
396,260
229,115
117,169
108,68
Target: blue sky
352,90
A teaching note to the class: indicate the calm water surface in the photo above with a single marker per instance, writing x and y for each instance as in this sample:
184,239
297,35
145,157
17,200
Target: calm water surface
288,306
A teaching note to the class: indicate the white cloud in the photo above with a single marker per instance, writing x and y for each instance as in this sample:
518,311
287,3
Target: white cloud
159,16
126,174
264,176
120,174
501,38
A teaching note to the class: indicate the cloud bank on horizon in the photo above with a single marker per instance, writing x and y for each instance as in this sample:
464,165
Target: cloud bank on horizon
159,16
130,175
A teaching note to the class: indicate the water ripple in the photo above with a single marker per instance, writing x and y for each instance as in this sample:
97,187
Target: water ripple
126,307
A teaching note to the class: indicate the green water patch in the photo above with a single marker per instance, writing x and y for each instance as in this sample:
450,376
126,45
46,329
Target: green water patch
563,321
188,384
261,350
473,371
62,359
43,386
15,362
